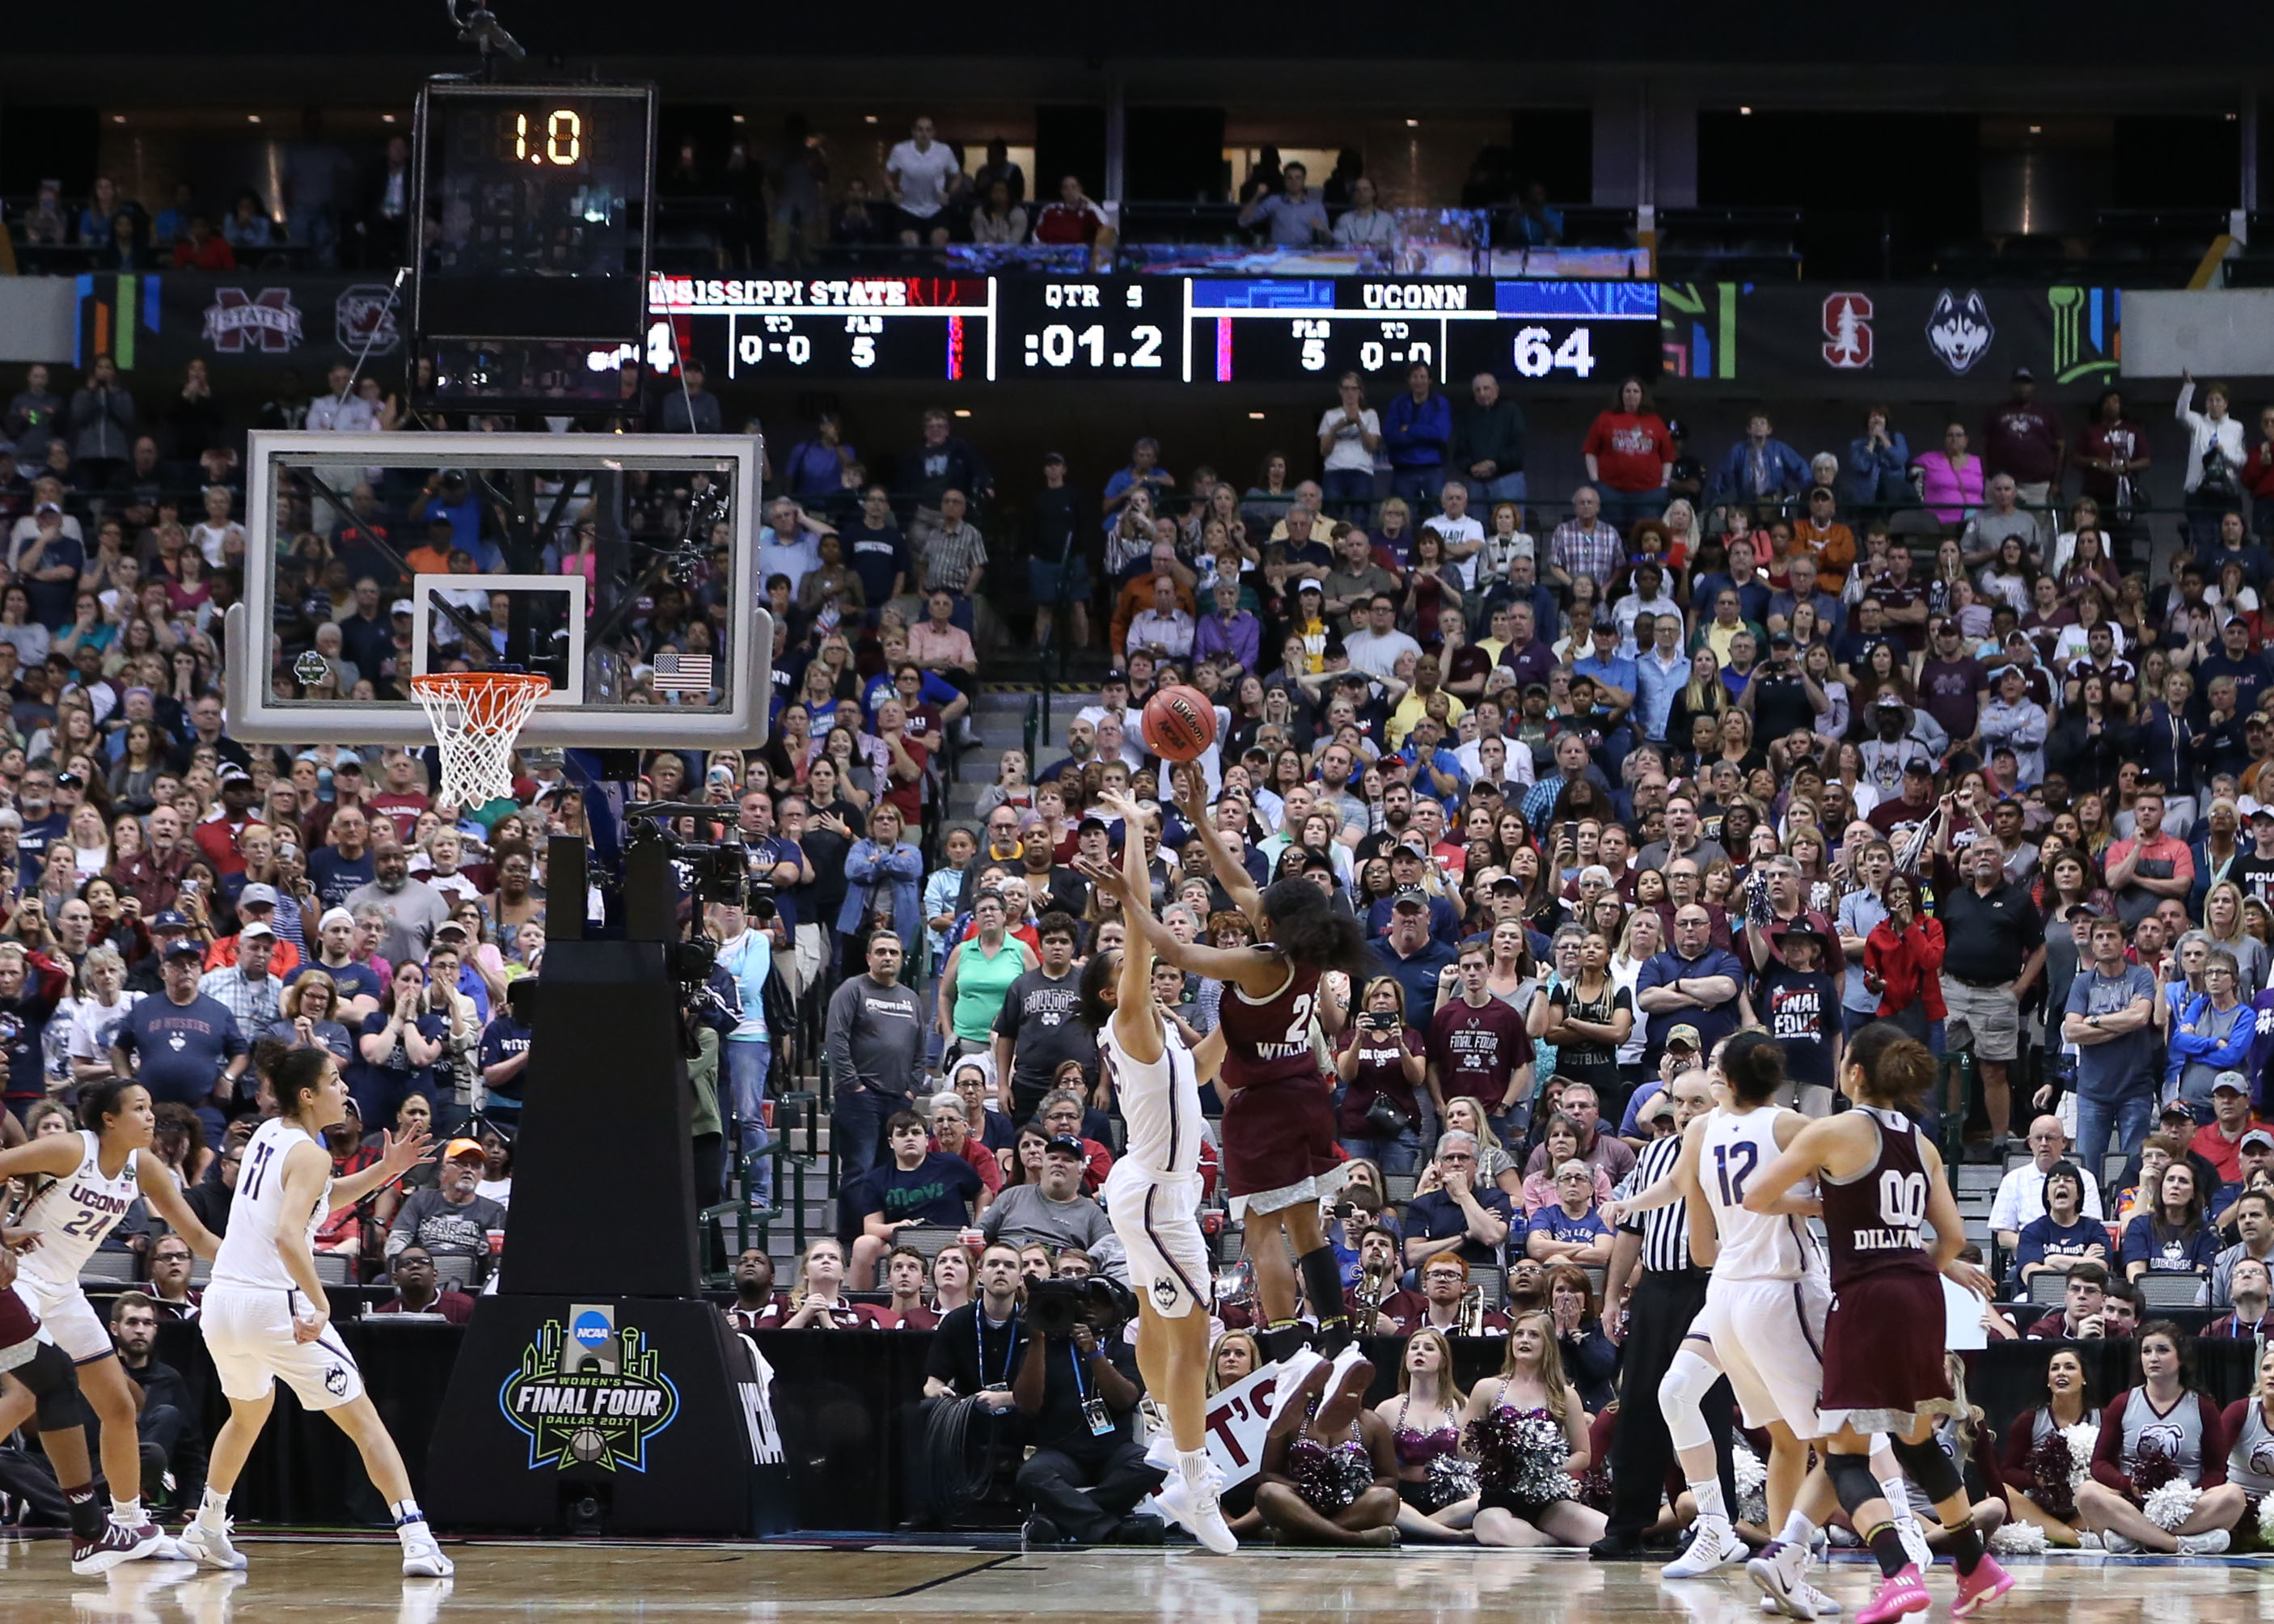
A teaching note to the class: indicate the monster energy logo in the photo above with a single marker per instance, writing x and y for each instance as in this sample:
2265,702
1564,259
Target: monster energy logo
598,1405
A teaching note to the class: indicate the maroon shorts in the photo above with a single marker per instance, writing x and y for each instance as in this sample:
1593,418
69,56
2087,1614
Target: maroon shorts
1883,1342
1277,1134
18,1324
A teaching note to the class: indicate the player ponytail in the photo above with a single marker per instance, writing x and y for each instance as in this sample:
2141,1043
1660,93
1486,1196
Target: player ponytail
103,1102
1753,1066
1897,1068
1101,972
297,1072
1311,931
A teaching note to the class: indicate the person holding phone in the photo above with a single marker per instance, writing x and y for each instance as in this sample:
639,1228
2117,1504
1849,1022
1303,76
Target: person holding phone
1384,1061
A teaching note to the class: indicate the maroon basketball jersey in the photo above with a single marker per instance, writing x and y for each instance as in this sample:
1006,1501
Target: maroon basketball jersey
1269,1040
1874,1219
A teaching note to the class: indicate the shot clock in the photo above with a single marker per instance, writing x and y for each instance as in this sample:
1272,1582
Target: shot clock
531,218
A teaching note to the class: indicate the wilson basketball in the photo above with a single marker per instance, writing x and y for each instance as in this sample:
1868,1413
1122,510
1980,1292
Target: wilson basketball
1179,724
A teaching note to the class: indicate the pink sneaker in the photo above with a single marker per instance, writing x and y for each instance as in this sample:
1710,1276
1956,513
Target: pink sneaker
1902,1594
1976,1591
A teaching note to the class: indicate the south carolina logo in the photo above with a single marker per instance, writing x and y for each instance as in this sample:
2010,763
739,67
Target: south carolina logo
363,317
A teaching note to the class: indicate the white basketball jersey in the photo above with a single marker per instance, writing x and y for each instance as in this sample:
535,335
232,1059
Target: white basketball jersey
75,1212
1160,1102
1753,1245
256,1210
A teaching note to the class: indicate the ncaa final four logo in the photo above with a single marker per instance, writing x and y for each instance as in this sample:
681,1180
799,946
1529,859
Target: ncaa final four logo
590,1394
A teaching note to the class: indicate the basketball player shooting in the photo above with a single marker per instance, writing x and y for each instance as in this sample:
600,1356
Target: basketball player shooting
1153,1194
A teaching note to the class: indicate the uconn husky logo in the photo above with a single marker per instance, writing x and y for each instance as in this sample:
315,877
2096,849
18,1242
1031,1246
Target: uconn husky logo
1959,331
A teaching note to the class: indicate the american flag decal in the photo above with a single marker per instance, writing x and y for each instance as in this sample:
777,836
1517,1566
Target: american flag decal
677,673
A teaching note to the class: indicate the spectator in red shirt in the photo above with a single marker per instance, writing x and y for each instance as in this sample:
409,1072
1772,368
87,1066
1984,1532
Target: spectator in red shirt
951,1132
203,249
2219,1141
1629,457
1073,218
401,797
216,837
2024,439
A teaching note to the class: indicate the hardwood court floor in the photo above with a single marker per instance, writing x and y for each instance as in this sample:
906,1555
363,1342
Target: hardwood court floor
359,1583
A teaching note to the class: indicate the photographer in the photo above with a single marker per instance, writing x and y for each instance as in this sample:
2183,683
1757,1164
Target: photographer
1077,1403
1382,1062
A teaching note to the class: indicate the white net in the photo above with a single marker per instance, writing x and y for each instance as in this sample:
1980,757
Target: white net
476,719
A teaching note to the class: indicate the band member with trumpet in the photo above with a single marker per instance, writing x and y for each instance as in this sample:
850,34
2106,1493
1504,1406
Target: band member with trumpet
1378,1305
1453,1304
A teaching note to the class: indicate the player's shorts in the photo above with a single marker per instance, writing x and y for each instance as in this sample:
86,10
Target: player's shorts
19,1331
249,1334
1884,1344
1768,1338
1158,1225
66,1317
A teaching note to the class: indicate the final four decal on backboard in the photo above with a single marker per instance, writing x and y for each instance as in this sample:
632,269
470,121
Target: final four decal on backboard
589,1394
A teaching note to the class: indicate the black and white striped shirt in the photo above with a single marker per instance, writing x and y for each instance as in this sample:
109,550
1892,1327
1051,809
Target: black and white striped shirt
1665,1231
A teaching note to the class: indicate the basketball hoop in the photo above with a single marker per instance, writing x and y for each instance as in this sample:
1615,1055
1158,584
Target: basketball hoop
477,715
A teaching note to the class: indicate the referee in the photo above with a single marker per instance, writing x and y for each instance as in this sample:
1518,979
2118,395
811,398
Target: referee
1666,1295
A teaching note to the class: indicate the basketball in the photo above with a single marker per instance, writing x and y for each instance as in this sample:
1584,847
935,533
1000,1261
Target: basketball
1179,724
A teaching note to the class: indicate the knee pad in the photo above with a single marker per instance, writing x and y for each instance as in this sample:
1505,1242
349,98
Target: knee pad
53,1381
1929,1467
1681,1394
1852,1481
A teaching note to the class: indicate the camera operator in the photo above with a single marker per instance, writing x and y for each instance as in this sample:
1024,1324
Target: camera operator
1077,1401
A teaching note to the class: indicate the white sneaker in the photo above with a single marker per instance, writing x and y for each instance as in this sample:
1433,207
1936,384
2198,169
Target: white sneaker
209,1546
1715,1545
422,1558
1194,1504
2087,1540
1161,1453
2203,1545
1914,1546
1824,1606
2117,1545
1778,1570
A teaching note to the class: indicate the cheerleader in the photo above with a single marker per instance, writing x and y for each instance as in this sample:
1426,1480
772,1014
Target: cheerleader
2042,1453
89,1179
2250,1424
2159,1432
1436,1486
1324,1485
1528,1432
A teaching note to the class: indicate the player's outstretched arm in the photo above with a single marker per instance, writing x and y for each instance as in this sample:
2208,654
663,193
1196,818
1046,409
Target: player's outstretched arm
1136,1024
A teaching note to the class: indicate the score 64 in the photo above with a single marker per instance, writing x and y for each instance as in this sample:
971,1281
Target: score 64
1531,356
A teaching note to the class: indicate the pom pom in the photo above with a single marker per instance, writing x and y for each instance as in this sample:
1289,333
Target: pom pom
1329,1479
1522,1454
1751,1478
2152,1468
2266,1521
2054,1475
2018,1538
1451,1479
2082,1440
2169,1504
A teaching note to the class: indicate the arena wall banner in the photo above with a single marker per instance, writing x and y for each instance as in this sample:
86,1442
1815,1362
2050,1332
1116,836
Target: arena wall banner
1786,334
267,321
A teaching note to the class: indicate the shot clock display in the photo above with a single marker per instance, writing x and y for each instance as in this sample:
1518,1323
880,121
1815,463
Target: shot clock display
1188,329
532,210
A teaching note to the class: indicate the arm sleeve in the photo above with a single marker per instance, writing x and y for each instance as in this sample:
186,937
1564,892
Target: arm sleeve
2012,1452
2108,1454
2215,1434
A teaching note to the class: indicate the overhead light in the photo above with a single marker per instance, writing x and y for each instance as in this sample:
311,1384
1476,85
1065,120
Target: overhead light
868,118
1747,111
963,411
2229,117
1413,123
252,119
2036,129
386,118
1255,417
741,118
121,117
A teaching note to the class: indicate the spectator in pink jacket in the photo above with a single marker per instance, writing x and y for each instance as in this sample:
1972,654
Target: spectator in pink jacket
1951,483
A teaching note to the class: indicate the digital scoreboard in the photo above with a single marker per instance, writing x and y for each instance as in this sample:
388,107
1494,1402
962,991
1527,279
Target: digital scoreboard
1191,329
